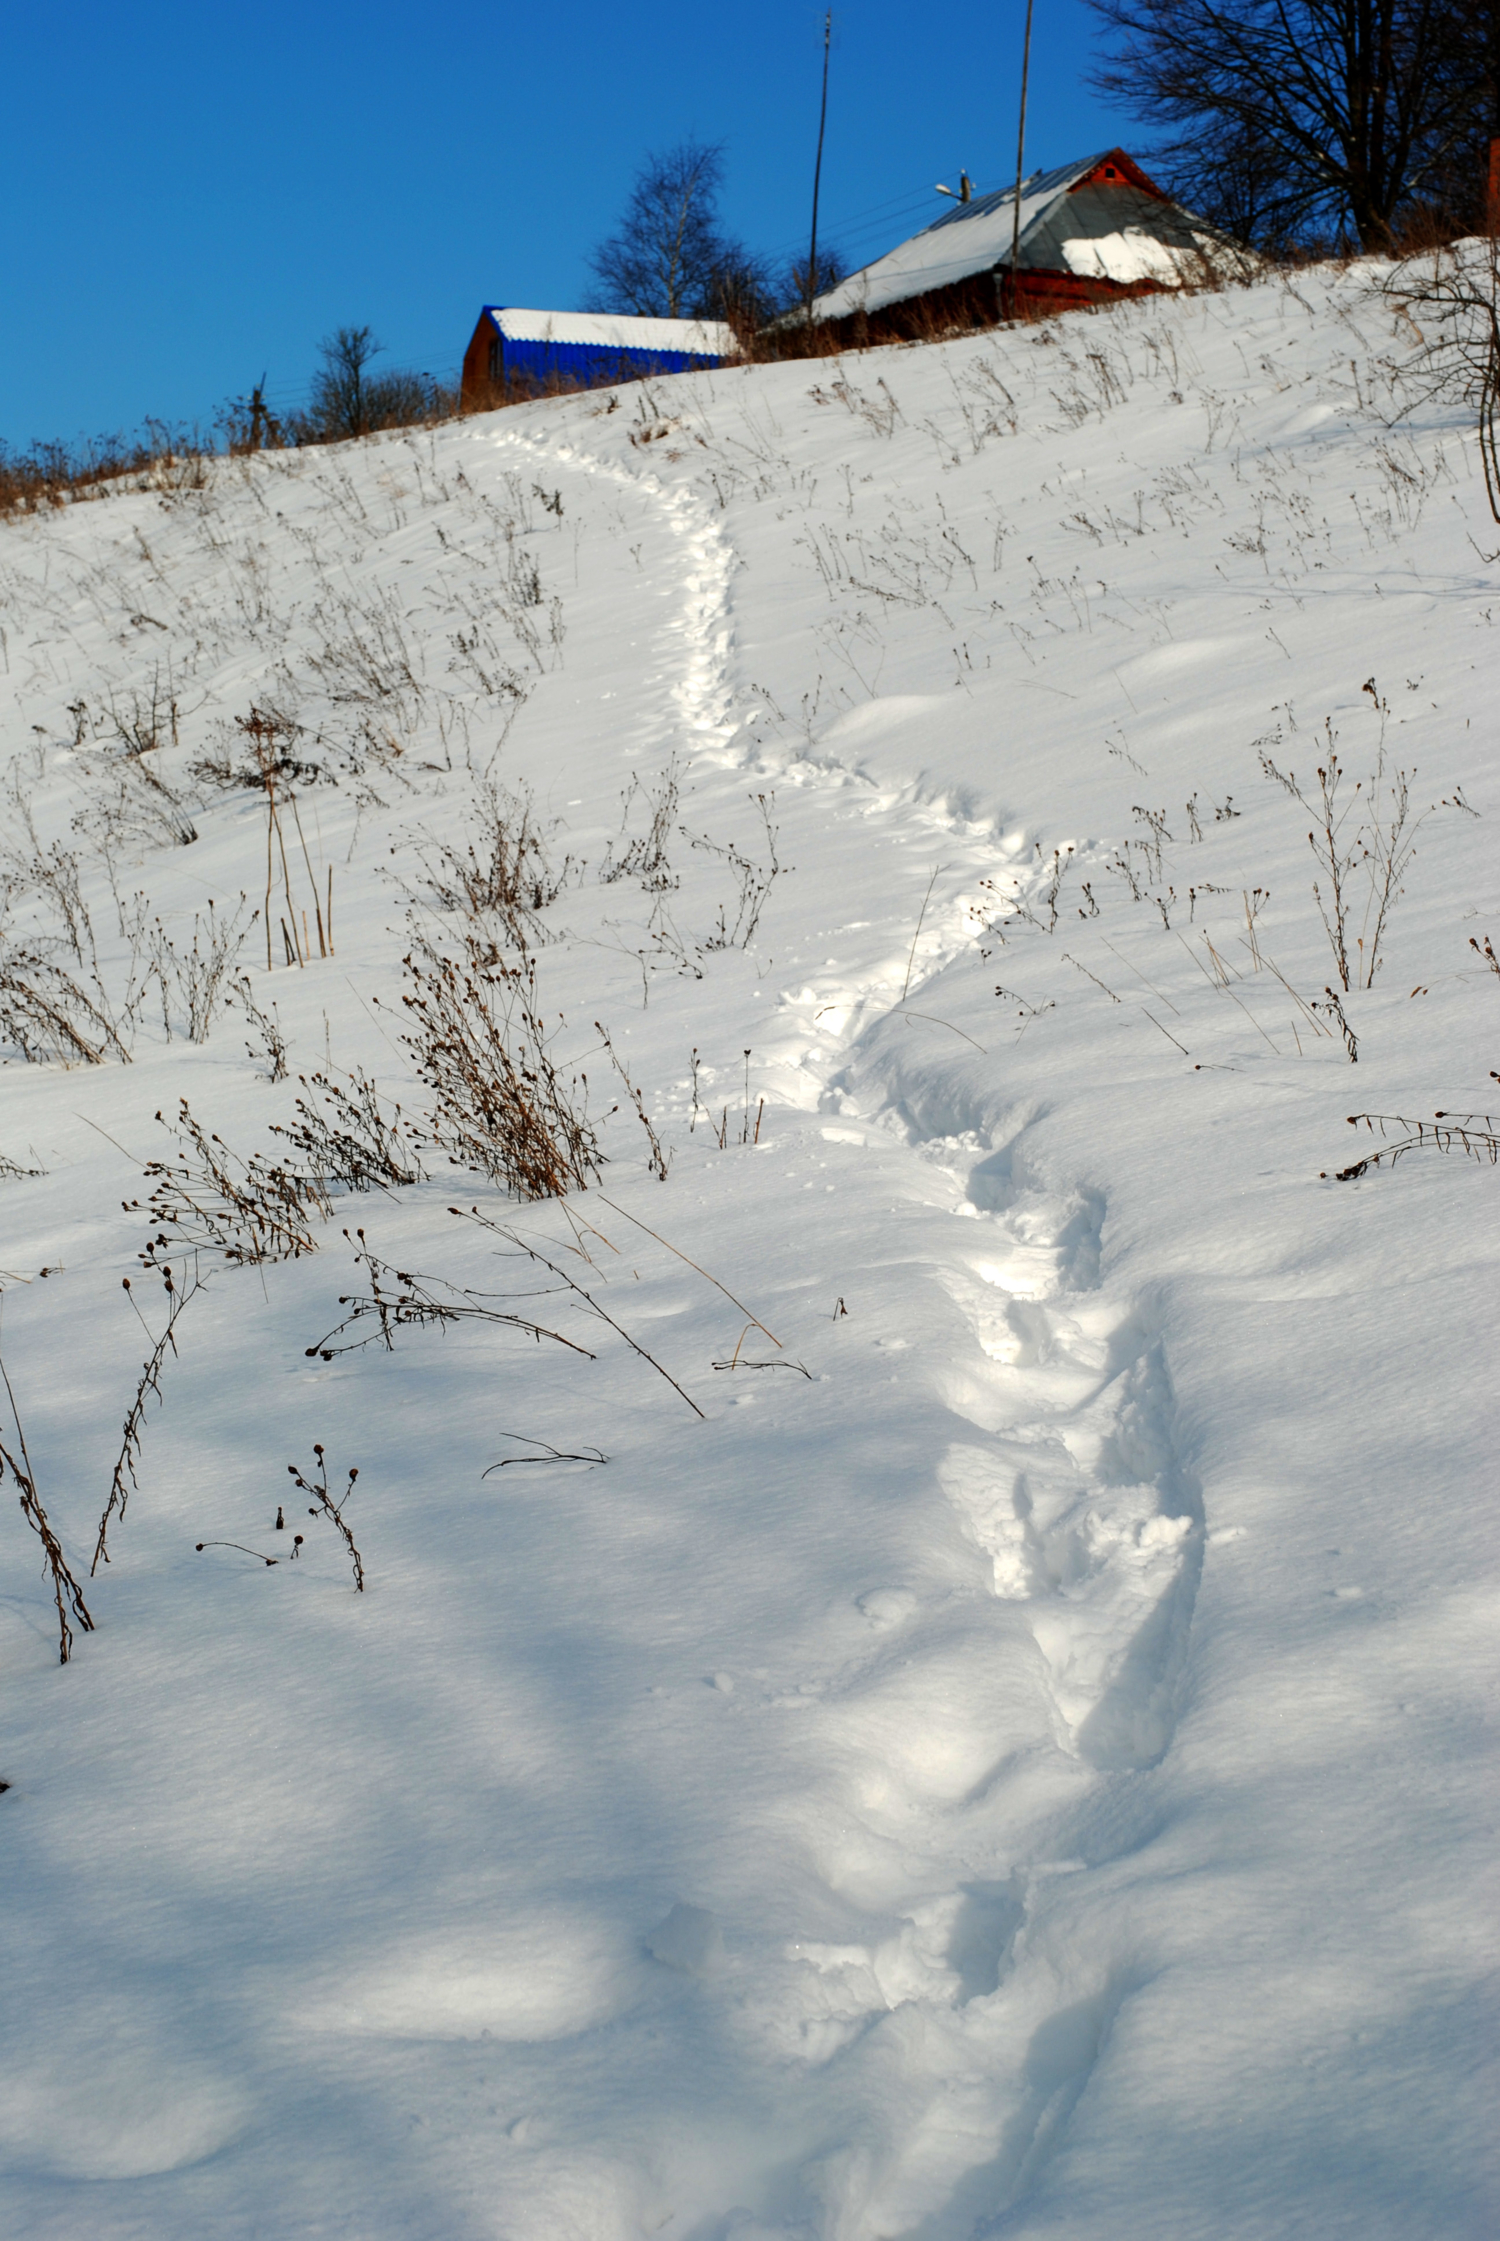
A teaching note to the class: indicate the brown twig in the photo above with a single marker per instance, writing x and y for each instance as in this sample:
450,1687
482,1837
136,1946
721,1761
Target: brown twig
472,1214
124,1480
324,1505
703,1272
66,1590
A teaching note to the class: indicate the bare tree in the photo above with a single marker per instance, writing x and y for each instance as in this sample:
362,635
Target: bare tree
1451,298
341,392
348,400
1288,118
669,258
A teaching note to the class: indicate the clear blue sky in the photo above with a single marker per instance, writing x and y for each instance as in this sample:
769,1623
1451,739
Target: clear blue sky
194,195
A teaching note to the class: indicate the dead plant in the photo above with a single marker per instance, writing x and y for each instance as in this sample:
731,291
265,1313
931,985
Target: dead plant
48,1016
660,1160
55,1004
1476,1134
211,1200
1335,1012
269,732
1382,843
508,876
66,1591
191,981
520,1245
124,1480
351,1138
324,1505
399,1299
644,857
756,881
500,1105
267,1025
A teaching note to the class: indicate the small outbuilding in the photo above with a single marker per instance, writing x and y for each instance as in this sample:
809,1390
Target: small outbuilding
1089,232
541,353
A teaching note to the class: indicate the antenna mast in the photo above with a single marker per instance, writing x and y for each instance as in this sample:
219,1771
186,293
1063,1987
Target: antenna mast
1015,232
812,254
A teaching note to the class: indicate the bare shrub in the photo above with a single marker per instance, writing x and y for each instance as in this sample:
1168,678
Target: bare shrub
1376,834
211,1200
480,1044
644,856
365,662
756,881
55,1005
49,1016
271,1053
346,400
54,474
505,872
1450,300
136,806
192,981
350,1138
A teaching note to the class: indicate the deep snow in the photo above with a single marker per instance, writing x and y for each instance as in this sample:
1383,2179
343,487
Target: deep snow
1034,1772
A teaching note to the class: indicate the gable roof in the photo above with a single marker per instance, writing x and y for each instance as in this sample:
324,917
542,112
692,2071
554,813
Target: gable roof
1100,217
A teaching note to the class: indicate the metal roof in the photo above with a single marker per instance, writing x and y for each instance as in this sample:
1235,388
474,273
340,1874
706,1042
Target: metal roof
1111,230
608,330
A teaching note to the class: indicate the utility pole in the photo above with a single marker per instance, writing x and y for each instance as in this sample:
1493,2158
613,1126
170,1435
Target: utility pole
812,254
1015,231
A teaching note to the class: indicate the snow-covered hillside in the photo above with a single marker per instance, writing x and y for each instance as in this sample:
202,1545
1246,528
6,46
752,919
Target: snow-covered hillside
987,1729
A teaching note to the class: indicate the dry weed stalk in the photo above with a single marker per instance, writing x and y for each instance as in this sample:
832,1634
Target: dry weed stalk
1477,1134
500,1105
270,733
353,1140
509,876
196,977
211,1200
54,1003
660,1160
48,1015
533,1253
66,1591
645,857
398,1299
273,1046
124,1480
691,1263
756,881
1383,841
590,1455
324,1505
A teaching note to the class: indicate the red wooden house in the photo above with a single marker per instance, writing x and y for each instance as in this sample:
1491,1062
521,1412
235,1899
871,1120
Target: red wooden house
1089,232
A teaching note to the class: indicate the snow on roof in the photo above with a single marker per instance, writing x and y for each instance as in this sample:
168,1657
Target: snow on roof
607,330
1064,226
